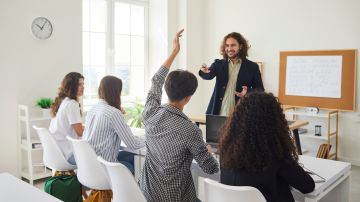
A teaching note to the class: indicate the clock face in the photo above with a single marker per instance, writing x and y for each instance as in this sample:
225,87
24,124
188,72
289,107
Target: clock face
41,28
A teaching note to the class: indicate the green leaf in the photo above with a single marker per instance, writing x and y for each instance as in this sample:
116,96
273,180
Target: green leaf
135,114
45,103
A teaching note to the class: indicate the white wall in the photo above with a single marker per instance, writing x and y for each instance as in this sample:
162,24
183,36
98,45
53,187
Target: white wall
32,68
279,25
158,35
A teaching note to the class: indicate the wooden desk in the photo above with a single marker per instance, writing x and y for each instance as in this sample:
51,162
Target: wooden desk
16,190
201,120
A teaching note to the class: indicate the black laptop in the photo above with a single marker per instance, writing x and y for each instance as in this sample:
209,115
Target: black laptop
214,124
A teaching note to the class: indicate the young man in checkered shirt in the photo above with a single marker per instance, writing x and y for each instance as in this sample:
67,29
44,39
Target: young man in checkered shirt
172,140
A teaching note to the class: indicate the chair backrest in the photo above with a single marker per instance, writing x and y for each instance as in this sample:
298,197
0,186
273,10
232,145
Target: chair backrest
90,172
52,155
124,186
215,192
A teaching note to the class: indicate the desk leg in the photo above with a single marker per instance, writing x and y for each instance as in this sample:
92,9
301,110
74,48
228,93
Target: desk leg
297,141
138,164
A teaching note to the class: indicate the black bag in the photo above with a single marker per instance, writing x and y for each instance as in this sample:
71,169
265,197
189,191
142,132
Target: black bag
66,188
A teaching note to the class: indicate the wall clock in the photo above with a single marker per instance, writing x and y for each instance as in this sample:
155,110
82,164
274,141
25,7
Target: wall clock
41,28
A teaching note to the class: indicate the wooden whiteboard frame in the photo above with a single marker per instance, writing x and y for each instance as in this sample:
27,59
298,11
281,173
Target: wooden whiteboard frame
348,82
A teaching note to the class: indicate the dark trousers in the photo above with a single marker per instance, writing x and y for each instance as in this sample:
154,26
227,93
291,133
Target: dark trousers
127,159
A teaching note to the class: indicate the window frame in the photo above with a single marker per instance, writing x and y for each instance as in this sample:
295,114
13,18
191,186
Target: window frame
110,47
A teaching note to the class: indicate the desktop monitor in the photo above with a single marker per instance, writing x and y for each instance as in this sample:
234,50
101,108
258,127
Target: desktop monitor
214,124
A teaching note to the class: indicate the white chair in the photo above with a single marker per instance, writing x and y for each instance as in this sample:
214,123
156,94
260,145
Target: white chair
123,183
216,192
90,172
52,155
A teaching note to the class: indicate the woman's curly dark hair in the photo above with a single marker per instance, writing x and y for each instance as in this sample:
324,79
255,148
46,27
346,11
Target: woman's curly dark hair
255,134
69,88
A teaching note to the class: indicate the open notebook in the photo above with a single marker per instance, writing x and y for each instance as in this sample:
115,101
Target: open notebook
316,177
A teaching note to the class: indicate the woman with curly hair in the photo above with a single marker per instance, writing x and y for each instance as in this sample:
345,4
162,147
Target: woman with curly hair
66,113
256,150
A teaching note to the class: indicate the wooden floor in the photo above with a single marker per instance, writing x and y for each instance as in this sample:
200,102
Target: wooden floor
354,184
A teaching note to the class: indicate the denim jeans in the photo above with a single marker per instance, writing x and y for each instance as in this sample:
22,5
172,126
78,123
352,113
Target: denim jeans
71,160
127,159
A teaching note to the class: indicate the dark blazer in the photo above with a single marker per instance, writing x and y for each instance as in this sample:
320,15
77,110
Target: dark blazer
249,75
274,183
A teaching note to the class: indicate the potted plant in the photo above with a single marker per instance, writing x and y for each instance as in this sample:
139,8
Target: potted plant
134,115
45,104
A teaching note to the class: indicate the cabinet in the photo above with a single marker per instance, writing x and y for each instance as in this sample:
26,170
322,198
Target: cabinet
328,120
30,161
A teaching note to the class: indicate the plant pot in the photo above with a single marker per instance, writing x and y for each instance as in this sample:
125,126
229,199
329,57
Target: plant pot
45,112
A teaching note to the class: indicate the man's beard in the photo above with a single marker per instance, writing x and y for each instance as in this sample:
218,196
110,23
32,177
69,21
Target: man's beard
235,56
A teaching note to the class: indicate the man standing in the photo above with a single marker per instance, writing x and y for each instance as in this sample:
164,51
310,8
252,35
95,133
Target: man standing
235,75
172,140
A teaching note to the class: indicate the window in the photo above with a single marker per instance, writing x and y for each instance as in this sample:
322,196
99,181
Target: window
114,42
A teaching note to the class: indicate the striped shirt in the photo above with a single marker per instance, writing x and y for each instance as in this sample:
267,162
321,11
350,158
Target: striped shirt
228,102
105,129
172,142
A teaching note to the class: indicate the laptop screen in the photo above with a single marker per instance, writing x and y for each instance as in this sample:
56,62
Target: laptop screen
214,124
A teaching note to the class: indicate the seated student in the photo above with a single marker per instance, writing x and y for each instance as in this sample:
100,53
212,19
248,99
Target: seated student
256,150
172,140
66,113
106,127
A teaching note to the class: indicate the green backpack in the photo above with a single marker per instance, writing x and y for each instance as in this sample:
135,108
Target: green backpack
66,188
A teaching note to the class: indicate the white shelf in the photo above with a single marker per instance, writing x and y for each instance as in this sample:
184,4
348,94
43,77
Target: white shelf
36,119
37,174
29,144
33,140
310,134
330,122
303,151
24,147
304,113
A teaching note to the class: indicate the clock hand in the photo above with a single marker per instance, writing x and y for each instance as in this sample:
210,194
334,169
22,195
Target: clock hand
42,27
38,26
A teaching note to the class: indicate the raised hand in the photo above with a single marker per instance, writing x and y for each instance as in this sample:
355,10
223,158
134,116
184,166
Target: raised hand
176,42
204,68
176,49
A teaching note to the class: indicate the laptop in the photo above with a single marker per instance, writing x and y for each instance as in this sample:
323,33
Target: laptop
214,124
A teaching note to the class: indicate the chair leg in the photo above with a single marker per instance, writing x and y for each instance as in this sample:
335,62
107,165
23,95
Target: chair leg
83,193
100,196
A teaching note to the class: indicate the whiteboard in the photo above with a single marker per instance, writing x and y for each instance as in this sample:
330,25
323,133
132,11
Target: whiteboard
314,76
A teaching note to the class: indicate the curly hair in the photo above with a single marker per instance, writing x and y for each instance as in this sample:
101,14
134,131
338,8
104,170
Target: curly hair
243,52
255,133
69,88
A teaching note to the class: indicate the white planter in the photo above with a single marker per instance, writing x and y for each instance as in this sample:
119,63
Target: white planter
45,112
